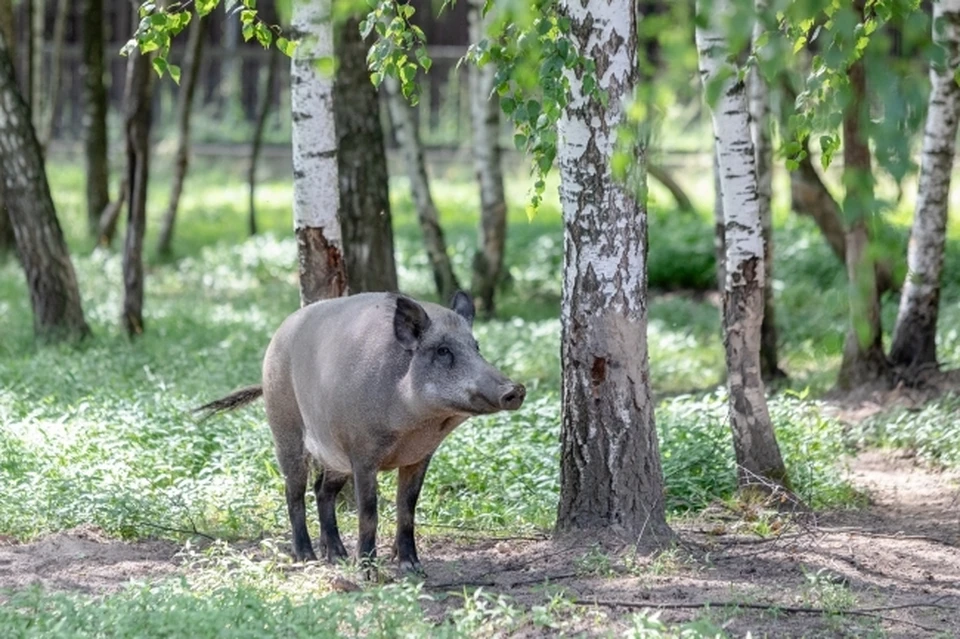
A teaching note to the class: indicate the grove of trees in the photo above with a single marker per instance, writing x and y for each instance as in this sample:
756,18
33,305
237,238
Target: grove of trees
787,85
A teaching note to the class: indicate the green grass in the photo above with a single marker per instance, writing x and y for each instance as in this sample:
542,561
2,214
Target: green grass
101,433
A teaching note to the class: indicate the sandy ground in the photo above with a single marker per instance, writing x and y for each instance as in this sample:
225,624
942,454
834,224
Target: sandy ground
897,561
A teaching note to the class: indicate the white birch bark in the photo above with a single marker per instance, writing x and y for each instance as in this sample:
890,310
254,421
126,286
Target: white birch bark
758,455
611,479
915,335
316,194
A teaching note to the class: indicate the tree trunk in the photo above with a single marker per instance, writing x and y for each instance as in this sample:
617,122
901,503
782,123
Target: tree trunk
811,197
863,359
485,114
137,117
610,476
37,23
719,243
760,134
54,295
7,241
107,226
56,71
266,99
755,444
316,197
915,336
181,159
94,115
364,181
406,132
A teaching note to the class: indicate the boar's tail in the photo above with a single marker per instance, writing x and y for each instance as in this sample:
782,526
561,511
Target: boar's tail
232,401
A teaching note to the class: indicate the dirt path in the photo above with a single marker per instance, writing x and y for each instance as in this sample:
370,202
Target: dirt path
901,552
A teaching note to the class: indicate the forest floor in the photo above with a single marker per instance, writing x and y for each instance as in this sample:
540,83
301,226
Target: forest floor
891,569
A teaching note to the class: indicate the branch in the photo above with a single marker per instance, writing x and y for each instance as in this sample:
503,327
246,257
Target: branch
858,612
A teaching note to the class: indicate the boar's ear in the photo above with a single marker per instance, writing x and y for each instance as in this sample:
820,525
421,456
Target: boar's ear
410,322
462,305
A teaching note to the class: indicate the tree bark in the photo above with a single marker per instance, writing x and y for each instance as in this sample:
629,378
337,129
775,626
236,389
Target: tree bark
181,158
56,71
316,197
137,119
719,242
915,335
760,134
266,99
94,115
610,476
755,444
7,241
107,227
811,197
487,161
863,358
364,181
54,294
37,23
406,132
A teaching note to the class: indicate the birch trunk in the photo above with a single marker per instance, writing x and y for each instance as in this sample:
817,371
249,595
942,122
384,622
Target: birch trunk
915,336
760,134
719,243
755,444
364,181
51,280
37,15
316,196
137,98
610,476
266,99
56,71
406,132
485,114
7,241
95,145
181,158
863,358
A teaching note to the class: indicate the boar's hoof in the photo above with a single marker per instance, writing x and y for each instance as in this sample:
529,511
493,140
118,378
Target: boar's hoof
412,568
335,552
305,555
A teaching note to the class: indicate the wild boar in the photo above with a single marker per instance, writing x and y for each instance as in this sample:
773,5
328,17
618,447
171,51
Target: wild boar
367,383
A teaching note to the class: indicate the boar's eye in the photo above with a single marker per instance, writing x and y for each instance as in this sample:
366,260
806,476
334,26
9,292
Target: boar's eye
443,351
476,345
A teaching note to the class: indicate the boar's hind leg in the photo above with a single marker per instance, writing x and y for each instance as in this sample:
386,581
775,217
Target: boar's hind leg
326,488
409,483
296,488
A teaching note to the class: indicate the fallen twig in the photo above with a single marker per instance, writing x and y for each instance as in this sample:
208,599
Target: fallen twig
182,531
857,612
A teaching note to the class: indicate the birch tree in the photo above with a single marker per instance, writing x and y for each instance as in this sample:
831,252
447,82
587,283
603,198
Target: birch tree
610,476
316,196
915,335
485,117
95,145
51,280
755,444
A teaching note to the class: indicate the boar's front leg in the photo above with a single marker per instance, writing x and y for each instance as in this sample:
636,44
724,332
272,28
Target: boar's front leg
365,487
326,489
409,483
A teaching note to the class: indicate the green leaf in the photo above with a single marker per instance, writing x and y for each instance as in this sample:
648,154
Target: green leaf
247,16
159,65
520,141
174,72
286,47
247,32
508,105
204,7
264,36
325,66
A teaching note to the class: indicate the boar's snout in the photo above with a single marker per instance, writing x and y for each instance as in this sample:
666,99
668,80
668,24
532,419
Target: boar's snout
512,397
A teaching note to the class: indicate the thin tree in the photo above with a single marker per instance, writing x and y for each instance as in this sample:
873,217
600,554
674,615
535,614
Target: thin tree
485,116
181,158
405,129
760,133
755,444
263,110
364,181
137,118
7,241
316,195
863,360
34,83
51,280
56,72
95,144
915,335
611,480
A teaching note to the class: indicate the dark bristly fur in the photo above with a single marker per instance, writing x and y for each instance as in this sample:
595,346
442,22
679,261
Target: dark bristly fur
232,401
